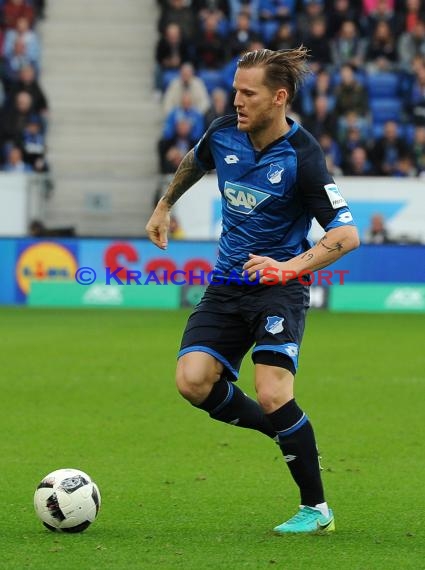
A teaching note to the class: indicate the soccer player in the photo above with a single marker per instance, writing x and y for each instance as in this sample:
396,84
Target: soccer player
273,180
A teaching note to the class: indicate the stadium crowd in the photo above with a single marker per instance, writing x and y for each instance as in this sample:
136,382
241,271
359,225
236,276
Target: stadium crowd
23,104
365,97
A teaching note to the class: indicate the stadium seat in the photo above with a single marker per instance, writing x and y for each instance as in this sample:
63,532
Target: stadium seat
385,109
385,84
377,131
268,30
212,78
359,75
409,133
167,76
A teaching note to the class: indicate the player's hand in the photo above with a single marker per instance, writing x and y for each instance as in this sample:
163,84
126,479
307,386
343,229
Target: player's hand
268,271
255,268
158,225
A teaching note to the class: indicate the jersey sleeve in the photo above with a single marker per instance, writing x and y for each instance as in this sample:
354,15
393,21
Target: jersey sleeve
203,154
319,192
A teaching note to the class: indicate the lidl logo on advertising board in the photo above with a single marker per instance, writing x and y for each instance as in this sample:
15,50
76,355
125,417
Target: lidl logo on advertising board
43,261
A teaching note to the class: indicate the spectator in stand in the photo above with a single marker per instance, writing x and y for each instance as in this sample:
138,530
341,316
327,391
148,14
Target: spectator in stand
187,111
34,145
381,54
284,38
370,6
323,84
405,167
317,42
28,82
219,106
178,12
338,12
418,150
14,120
377,232
14,161
359,163
186,82
273,11
17,60
307,93
248,7
322,120
411,44
350,94
353,138
220,8
241,36
171,52
411,12
27,35
382,12
210,44
331,149
416,97
15,9
312,10
348,47
172,150
388,149
352,121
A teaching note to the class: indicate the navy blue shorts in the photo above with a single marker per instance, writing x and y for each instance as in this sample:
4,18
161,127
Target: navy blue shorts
230,319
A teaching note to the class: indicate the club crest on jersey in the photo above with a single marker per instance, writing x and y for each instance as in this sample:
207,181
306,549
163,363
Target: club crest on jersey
274,175
274,324
243,199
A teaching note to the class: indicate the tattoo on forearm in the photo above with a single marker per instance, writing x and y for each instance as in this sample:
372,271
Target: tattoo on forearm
307,256
333,247
186,175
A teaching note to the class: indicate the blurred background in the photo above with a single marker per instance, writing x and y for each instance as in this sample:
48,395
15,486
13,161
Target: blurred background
100,101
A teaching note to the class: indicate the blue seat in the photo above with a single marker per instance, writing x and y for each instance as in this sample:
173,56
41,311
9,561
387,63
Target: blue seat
409,132
385,109
167,77
383,84
359,75
212,78
377,130
268,30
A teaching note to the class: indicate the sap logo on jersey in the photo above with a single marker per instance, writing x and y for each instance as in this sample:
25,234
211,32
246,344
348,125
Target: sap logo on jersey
337,201
243,199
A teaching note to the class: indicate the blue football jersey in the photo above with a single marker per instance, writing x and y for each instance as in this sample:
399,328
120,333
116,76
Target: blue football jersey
268,197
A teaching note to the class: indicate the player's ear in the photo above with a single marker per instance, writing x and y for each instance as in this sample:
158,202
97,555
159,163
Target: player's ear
281,96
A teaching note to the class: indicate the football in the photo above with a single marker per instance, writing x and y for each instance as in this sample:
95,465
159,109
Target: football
67,500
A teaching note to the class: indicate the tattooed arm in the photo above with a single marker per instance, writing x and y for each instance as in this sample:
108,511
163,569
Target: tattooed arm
333,245
186,175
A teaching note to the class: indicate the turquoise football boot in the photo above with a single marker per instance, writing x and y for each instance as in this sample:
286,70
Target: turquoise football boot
308,520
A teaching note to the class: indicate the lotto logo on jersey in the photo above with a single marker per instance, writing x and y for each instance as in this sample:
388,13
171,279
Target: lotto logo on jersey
243,199
336,200
231,159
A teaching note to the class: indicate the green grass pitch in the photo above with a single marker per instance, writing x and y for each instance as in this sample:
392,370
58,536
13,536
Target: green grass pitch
94,389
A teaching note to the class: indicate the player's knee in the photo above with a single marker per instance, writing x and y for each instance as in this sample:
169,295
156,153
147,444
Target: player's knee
193,382
274,390
269,399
